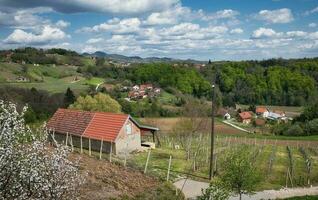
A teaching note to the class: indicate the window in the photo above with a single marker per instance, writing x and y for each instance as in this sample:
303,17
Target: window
128,129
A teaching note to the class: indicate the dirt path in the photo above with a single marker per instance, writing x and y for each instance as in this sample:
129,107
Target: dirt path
191,189
234,126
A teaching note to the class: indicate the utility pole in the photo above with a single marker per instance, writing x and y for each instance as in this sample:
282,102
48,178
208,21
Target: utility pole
212,135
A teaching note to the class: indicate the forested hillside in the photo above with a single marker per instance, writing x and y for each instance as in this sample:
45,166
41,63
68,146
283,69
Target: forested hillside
290,82
270,82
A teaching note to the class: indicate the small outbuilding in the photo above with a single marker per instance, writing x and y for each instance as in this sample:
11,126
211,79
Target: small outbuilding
117,132
262,111
245,117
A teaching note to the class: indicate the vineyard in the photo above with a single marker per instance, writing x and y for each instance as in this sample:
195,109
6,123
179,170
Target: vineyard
281,165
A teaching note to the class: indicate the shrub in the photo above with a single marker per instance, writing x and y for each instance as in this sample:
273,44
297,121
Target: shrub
294,130
312,127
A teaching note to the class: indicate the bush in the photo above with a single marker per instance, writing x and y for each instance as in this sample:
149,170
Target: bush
294,130
312,127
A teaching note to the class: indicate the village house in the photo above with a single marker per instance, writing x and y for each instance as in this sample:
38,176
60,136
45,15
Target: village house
262,112
143,91
119,133
245,117
146,87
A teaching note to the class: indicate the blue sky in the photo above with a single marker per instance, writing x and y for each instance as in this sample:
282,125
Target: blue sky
197,29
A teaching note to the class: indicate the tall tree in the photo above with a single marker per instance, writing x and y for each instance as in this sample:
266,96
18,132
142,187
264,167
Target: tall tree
69,97
100,102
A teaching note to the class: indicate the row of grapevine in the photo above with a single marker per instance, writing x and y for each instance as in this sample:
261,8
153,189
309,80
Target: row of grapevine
308,162
290,162
272,159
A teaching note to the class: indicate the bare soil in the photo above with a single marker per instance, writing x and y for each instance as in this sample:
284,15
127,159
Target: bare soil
105,180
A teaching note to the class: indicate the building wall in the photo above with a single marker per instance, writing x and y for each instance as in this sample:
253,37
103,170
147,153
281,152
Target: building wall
128,142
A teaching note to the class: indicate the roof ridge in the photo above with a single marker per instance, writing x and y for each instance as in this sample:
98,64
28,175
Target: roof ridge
93,112
89,123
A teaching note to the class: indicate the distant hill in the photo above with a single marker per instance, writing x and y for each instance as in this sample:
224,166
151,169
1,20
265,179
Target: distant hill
137,59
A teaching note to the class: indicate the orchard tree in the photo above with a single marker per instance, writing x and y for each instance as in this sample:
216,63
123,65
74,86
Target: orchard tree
240,175
100,102
217,190
30,169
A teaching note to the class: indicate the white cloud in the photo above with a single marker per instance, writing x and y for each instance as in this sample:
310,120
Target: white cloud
237,31
221,14
312,25
62,24
279,16
104,6
264,33
292,34
94,40
115,25
48,34
170,16
314,10
24,19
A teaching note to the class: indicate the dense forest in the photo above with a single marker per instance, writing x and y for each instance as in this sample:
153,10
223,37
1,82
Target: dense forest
270,82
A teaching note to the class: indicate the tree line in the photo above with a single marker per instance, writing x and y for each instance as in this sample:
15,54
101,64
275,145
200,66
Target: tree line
270,82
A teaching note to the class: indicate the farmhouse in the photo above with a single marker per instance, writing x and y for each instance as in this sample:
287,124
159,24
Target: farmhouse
262,111
118,132
245,117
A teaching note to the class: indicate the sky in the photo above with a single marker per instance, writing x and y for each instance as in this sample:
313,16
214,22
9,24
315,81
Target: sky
195,29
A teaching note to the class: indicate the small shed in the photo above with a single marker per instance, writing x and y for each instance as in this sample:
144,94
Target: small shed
262,111
118,132
245,117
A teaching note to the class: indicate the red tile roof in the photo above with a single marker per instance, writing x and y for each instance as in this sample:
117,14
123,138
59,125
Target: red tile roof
261,109
105,126
70,121
96,125
245,115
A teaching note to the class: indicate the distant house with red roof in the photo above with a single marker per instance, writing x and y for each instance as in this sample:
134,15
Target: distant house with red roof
262,111
245,117
119,132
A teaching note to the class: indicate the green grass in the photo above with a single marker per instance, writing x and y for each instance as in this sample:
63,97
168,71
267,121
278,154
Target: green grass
52,85
94,81
166,98
274,179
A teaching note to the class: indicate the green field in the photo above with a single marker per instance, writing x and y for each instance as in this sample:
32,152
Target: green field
52,85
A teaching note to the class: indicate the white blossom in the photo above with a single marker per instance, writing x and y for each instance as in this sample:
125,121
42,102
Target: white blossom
29,167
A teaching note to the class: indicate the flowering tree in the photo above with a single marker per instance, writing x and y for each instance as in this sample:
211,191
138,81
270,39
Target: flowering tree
29,167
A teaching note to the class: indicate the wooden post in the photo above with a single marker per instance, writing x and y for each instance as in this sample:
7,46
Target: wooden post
110,152
215,164
146,166
168,173
53,134
72,148
101,149
290,178
89,147
125,160
66,138
287,177
81,144
207,155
